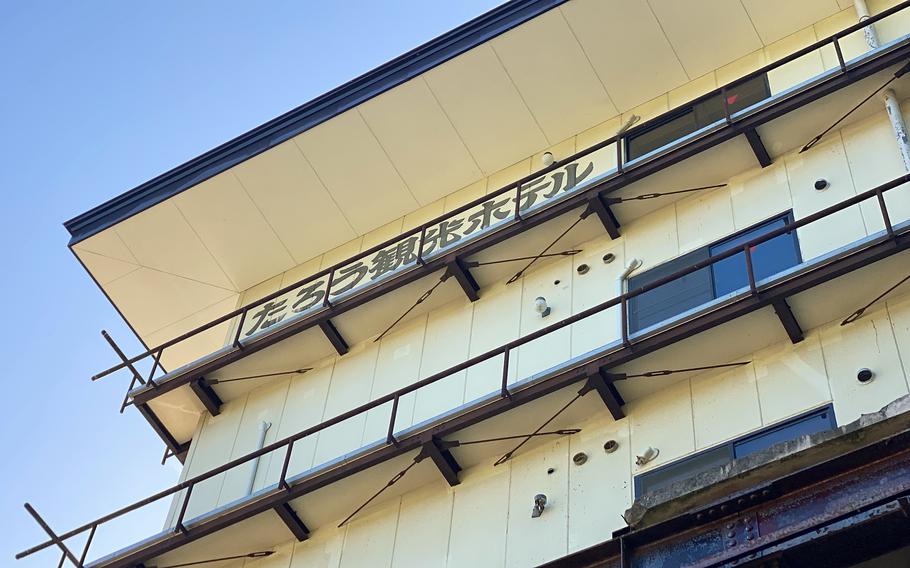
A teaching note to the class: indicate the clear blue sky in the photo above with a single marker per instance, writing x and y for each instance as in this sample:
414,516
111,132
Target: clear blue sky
96,98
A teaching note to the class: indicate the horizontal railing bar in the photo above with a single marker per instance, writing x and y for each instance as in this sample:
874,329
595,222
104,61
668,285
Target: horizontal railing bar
511,186
501,350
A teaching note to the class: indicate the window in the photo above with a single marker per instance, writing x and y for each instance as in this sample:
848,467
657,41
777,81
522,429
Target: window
662,477
700,114
719,279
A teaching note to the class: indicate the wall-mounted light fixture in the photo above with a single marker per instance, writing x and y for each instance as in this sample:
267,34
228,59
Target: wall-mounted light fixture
547,159
541,307
647,455
540,502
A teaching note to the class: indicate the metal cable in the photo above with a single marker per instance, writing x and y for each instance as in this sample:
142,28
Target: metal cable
505,457
390,483
645,196
246,378
858,313
260,554
419,301
475,264
544,251
665,372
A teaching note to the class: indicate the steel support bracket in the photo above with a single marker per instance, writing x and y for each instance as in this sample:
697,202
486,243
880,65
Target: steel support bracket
207,396
179,450
788,320
758,147
293,522
443,459
598,380
334,337
601,207
456,268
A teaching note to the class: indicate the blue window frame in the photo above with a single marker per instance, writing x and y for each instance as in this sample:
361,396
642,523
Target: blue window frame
820,420
719,279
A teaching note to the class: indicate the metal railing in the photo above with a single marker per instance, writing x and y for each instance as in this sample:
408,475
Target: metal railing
324,286
287,444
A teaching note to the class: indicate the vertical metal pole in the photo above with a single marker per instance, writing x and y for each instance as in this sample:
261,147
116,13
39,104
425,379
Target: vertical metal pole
328,289
504,388
237,343
186,502
155,364
88,543
518,202
624,320
840,55
283,481
254,465
889,228
619,140
420,245
726,105
750,270
390,436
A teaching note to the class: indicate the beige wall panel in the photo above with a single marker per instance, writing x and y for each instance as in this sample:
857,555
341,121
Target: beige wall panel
552,348
333,147
648,110
370,538
534,541
420,140
424,521
107,243
465,195
555,78
284,185
741,67
826,160
593,288
704,218
867,342
652,239
892,27
321,550
341,253
104,268
200,344
397,366
479,517
214,444
304,407
599,133
800,69
602,25
724,406
759,194
692,90
424,214
707,34
899,311
281,559
264,404
791,378
501,178
874,159
301,271
662,420
496,321
601,489
447,343
352,380
479,98
774,19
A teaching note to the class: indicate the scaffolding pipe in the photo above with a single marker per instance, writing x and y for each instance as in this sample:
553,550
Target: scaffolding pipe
892,105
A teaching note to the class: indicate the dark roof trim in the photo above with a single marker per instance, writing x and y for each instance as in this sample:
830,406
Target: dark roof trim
369,85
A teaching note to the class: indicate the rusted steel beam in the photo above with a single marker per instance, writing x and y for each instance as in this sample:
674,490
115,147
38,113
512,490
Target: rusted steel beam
788,320
293,522
600,207
457,269
334,337
207,396
817,510
443,460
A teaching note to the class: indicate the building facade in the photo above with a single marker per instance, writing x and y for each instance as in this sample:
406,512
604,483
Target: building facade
579,283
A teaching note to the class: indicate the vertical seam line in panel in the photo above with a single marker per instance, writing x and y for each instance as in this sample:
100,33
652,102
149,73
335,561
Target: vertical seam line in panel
670,43
126,246
692,413
326,188
520,96
454,128
464,390
266,219
451,493
395,536
206,247
325,404
231,454
344,545
389,158
752,23
587,58
821,348
423,341
505,537
897,345
363,431
761,414
843,143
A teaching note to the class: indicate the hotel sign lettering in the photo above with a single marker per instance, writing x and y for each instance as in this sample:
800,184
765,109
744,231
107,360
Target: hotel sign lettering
441,237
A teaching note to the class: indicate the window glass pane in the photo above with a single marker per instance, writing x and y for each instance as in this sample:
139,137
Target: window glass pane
818,422
673,297
683,469
739,96
660,135
768,258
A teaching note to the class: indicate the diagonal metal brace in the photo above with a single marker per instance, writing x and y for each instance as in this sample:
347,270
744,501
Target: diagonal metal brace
603,384
443,459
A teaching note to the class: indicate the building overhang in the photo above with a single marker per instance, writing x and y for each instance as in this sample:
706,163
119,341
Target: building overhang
784,122
177,250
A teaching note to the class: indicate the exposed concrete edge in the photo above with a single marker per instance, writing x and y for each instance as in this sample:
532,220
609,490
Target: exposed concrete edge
744,475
